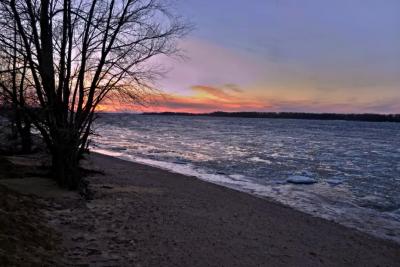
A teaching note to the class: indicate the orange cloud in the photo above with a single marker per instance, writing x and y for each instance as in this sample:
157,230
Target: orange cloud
204,99
207,99
213,93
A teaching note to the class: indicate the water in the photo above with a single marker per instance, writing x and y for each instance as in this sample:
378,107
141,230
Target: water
356,164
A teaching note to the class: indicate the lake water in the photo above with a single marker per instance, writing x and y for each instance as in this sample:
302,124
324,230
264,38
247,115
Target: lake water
356,165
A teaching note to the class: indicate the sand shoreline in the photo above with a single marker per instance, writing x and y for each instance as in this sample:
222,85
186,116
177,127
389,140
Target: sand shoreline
144,216
353,216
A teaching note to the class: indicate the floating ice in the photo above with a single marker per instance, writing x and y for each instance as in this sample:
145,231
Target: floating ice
299,179
334,182
257,159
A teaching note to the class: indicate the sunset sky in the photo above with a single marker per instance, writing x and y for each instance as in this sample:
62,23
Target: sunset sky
286,55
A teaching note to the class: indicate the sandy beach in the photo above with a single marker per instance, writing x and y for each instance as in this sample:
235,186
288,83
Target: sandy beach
144,216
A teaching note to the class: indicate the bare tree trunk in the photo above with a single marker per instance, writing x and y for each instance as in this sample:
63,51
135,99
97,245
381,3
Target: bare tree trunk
25,129
26,136
65,163
14,123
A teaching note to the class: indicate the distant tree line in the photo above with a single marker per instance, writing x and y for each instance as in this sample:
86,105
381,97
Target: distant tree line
292,115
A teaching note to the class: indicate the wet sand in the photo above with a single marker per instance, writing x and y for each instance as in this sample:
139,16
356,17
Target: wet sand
144,216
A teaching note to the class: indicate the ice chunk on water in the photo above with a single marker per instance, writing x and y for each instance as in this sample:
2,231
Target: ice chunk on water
306,173
299,179
334,182
257,159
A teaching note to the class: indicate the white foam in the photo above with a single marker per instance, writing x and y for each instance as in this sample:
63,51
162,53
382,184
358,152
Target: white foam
107,152
257,159
299,179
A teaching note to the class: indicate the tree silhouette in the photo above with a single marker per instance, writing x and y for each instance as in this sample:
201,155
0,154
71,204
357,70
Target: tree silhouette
13,90
78,53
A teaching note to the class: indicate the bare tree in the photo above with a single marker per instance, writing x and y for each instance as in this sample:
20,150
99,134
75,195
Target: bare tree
13,90
79,52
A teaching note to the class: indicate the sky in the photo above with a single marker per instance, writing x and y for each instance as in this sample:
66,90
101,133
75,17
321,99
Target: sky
286,55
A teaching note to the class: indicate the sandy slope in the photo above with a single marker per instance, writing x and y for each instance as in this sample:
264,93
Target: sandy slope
143,216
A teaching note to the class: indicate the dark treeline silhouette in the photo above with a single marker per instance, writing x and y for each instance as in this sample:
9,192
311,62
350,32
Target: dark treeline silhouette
292,115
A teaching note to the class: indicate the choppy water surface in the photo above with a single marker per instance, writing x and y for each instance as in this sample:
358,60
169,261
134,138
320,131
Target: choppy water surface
356,164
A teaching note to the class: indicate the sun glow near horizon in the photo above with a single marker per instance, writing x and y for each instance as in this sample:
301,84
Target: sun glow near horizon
230,98
284,56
